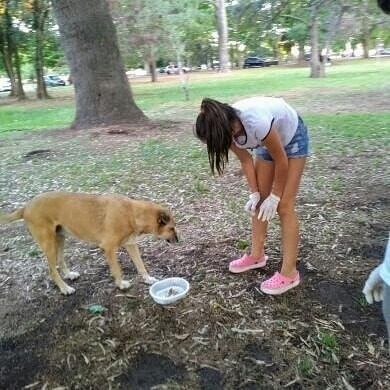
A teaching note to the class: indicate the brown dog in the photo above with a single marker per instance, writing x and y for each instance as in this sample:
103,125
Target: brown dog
110,221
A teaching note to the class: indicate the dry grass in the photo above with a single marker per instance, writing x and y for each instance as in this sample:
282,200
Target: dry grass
225,334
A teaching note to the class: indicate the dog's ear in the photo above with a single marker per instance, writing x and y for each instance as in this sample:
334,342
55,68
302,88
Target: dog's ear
163,217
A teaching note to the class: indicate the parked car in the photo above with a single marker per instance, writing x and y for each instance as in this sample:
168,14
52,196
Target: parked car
54,81
136,72
271,61
257,62
320,57
215,65
5,85
253,62
174,69
384,52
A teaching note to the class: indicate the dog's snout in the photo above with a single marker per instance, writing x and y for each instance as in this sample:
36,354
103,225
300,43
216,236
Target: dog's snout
173,239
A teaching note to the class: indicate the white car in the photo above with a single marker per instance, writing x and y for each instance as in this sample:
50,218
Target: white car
136,72
174,69
5,85
384,52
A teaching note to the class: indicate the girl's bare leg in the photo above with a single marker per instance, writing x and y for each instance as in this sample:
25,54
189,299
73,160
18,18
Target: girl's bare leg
288,217
265,177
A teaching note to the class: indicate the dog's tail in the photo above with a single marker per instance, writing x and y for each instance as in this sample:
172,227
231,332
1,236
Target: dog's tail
7,218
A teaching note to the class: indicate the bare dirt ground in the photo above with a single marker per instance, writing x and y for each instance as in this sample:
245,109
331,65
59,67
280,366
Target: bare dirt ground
226,334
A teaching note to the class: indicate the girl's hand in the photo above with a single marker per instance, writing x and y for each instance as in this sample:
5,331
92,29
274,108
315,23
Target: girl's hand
252,203
268,208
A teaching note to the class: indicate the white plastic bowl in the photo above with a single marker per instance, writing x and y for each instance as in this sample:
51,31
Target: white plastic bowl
169,290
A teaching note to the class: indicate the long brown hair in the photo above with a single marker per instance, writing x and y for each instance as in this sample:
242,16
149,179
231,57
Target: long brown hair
214,127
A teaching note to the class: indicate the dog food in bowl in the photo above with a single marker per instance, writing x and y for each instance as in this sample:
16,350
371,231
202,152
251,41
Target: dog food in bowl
168,291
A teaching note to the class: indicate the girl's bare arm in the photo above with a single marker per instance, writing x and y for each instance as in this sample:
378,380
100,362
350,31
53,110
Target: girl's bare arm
247,165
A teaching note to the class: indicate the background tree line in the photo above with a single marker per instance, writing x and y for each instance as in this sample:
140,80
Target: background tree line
191,32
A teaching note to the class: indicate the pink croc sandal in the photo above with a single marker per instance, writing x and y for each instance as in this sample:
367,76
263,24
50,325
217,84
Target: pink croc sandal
279,284
247,263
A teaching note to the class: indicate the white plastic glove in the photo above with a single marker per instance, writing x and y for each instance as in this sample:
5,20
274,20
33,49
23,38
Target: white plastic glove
373,288
252,203
268,208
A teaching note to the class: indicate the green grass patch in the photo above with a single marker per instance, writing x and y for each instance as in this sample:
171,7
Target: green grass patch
34,252
167,97
353,126
329,346
242,244
358,75
23,118
305,366
328,340
201,187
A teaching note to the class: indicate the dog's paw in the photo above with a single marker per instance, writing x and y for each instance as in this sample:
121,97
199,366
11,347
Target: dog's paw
67,290
72,275
149,279
123,285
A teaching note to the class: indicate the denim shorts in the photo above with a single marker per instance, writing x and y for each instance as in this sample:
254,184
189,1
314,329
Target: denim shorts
296,148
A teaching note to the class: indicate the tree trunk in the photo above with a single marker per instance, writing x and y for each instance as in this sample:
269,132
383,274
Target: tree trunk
153,71
315,63
40,15
183,77
7,60
152,65
19,82
301,53
103,94
366,44
222,36
41,85
8,46
334,22
275,49
365,29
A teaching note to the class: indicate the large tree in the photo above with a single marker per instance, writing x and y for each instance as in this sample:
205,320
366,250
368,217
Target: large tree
10,44
368,18
34,14
140,26
222,26
155,28
6,54
324,22
40,12
103,94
